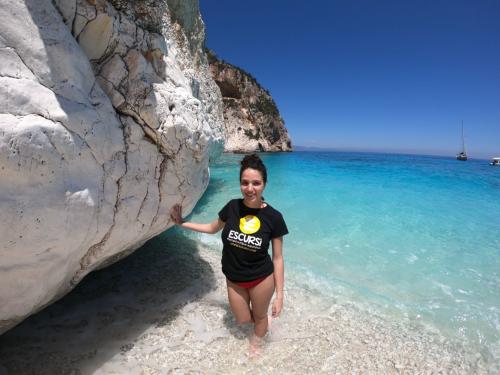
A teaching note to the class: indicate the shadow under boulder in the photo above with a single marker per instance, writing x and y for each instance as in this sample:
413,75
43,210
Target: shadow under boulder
109,309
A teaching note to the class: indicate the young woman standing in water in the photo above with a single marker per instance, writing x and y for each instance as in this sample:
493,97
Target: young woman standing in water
248,226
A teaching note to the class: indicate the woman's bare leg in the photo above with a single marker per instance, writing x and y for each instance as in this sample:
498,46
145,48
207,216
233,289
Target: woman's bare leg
260,297
239,300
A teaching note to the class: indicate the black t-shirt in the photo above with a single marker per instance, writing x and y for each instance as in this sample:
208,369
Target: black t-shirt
246,236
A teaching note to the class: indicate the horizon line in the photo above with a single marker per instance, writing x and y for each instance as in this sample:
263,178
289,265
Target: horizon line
391,152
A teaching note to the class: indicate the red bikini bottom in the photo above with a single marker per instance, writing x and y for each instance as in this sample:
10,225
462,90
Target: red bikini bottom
250,284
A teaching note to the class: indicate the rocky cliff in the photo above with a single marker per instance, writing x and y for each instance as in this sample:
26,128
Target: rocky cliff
108,116
251,117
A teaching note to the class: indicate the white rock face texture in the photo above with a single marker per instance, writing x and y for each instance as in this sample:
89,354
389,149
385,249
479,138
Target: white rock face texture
108,116
251,118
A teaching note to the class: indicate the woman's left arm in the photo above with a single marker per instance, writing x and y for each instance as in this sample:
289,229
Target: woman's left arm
279,275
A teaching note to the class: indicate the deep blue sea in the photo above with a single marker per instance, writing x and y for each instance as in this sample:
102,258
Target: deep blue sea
412,237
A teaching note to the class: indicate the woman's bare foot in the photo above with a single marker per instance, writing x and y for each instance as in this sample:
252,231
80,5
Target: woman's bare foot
255,348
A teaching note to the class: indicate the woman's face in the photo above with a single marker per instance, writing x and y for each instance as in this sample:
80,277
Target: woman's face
252,185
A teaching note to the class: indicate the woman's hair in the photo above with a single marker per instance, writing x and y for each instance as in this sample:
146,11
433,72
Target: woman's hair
253,161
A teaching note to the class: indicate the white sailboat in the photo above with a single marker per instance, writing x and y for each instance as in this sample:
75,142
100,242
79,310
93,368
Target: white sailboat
462,155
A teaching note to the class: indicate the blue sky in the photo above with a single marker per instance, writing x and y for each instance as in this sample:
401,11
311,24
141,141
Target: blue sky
394,76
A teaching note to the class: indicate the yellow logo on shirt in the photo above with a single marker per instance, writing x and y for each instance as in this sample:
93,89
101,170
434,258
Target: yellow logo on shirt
249,224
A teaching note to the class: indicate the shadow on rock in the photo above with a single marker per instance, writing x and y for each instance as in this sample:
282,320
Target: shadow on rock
110,309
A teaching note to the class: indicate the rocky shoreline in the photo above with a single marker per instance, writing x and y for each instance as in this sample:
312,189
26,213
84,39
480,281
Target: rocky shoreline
164,310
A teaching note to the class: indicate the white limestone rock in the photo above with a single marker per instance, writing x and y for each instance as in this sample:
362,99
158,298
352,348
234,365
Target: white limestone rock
12,66
104,125
96,35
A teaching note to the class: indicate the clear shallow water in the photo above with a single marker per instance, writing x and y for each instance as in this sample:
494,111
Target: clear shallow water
416,237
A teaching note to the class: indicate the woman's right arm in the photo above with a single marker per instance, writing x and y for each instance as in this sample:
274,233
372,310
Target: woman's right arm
213,227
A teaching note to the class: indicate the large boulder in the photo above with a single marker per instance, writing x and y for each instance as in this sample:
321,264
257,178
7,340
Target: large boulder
108,116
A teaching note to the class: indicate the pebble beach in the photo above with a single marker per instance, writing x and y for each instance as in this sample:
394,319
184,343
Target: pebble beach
164,310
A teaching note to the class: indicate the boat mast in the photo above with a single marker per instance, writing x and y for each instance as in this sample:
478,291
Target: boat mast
463,139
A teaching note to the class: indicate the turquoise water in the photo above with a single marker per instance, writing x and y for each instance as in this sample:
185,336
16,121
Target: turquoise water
417,237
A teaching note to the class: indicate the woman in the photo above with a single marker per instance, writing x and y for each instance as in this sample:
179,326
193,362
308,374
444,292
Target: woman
249,225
